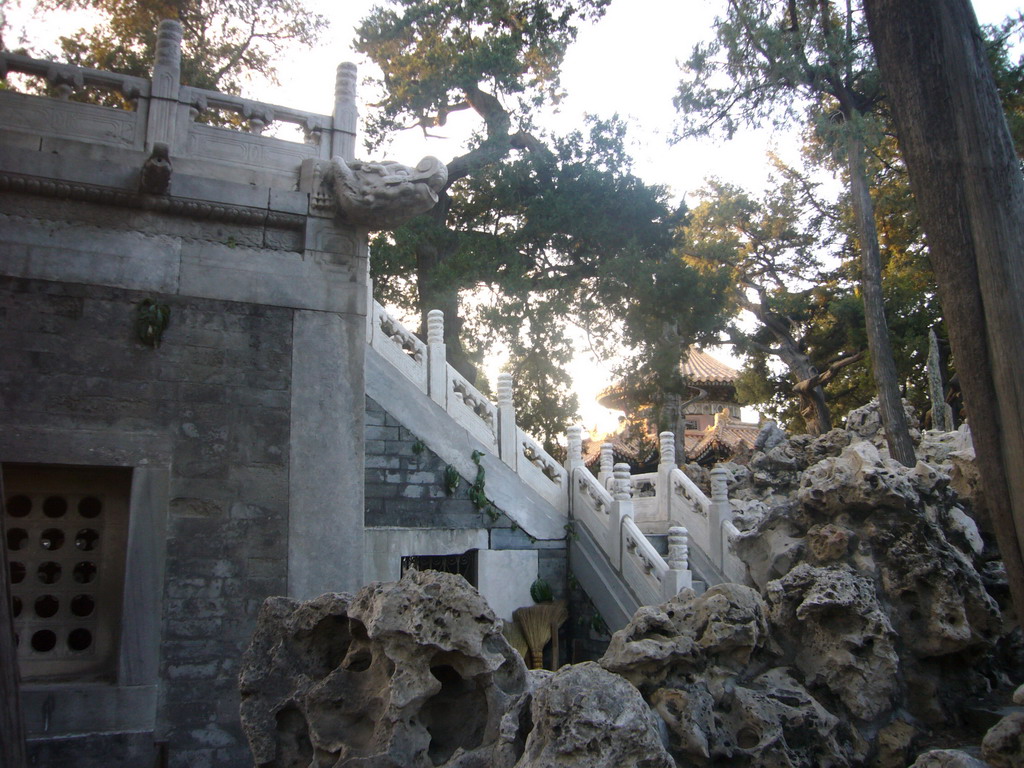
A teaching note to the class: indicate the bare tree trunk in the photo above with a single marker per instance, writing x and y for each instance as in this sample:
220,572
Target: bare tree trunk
12,729
813,408
883,366
970,195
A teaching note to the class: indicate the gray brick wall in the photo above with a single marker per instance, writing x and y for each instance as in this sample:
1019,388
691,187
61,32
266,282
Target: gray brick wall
217,393
405,488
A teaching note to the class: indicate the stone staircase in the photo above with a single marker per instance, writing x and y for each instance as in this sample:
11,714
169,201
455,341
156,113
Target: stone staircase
626,548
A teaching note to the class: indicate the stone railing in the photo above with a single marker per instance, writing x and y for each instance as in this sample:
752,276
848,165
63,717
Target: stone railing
608,517
163,111
493,425
675,500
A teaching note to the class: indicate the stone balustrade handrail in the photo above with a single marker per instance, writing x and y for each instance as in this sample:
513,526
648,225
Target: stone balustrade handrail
69,77
163,112
259,114
608,519
493,425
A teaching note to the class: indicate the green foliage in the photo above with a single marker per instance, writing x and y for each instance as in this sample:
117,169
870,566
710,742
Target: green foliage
223,42
436,55
478,492
541,592
151,320
451,479
1009,74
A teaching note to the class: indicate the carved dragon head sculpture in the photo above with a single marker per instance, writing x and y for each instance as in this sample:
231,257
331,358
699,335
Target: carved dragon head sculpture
382,195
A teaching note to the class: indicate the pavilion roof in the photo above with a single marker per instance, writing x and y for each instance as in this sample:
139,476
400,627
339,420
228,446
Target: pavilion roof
701,368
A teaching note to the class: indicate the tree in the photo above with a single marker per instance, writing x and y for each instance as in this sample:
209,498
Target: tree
810,55
769,248
970,192
548,229
223,41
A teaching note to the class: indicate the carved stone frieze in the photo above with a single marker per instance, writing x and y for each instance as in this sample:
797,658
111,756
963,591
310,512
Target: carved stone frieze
235,215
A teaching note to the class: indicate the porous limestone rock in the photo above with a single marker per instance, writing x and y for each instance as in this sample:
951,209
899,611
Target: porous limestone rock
1003,745
893,745
408,674
947,758
707,666
839,636
858,480
866,422
586,717
769,436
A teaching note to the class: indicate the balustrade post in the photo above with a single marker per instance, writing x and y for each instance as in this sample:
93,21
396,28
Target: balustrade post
666,464
346,114
165,87
604,474
574,448
719,512
508,432
622,507
679,576
437,363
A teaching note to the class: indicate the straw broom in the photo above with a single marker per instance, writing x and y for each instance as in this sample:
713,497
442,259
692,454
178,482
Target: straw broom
537,622
515,637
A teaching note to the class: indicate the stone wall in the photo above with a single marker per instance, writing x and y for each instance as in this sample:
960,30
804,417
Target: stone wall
210,406
405,488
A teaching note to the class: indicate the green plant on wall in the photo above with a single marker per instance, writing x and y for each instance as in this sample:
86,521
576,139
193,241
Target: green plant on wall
151,320
451,479
477,493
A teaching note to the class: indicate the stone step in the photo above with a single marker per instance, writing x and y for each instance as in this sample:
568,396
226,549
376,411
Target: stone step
660,542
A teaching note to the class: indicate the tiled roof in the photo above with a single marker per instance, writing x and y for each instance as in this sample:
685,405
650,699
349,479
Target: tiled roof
734,435
702,368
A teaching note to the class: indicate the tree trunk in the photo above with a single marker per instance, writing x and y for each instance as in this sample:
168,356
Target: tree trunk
970,196
813,408
883,366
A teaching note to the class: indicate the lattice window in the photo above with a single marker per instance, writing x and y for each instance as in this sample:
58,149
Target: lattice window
66,531
464,565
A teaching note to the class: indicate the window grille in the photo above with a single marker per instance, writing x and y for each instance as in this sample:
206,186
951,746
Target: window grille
66,532
464,565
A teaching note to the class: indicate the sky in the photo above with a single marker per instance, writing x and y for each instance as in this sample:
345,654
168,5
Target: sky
625,64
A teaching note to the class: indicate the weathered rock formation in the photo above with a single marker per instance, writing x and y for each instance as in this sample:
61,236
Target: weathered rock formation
708,666
417,673
406,674
877,587
867,621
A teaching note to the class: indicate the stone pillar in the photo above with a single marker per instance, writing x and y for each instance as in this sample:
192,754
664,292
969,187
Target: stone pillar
574,448
346,115
720,512
508,432
604,474
679,576
622,507
437,362
666,464
325,529
942,414
166,85
678,548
